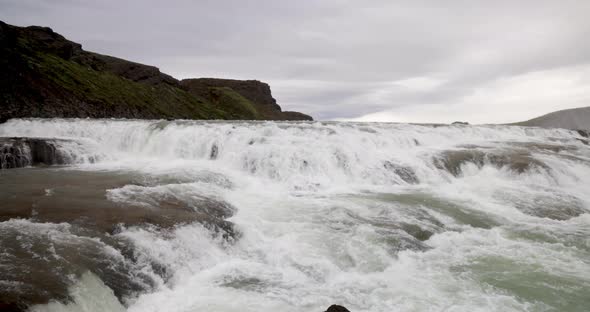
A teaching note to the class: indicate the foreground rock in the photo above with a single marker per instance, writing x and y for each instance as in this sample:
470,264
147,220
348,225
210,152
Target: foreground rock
42,74
337,308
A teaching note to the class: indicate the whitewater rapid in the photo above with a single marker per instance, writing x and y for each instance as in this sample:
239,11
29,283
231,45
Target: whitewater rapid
375,217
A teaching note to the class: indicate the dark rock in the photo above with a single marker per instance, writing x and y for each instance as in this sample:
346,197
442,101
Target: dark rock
23,152
464,123
584,133
214,152
46,40
296,116
337,308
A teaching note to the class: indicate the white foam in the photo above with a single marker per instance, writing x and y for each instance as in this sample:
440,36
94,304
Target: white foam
316,228
89,294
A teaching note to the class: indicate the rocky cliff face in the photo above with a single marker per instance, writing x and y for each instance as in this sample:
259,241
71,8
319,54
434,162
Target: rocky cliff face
42,74
255,91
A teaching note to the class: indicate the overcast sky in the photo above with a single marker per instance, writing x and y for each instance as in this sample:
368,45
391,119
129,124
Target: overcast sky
370,60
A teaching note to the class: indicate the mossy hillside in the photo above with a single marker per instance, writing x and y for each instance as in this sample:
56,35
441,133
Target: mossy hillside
111,90
42,74
232,103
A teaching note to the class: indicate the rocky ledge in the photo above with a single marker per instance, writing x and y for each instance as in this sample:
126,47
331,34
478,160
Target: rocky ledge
24,152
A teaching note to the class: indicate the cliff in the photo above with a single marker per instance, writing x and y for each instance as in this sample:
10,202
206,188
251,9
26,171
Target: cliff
42,74
575,118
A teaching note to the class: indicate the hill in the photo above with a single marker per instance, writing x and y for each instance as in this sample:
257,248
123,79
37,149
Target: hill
42,74
575,118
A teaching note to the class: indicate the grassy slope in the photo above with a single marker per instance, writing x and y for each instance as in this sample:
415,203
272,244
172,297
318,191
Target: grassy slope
233,104
113,91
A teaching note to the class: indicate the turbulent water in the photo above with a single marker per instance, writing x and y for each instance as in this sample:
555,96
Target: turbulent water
374,217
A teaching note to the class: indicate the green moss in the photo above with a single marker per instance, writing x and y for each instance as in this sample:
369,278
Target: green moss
111,90
231,102
104,90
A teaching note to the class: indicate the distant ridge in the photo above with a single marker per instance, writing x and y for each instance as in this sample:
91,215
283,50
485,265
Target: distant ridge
42,74
575,118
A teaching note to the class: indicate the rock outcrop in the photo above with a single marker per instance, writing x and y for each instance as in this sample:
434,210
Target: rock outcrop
254,91
42,74
518,160
23,152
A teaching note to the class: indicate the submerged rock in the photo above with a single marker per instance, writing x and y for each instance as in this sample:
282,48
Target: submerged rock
552,206
405,173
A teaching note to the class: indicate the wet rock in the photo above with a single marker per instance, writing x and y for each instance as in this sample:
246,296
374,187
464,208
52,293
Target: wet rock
23,152
41,261
405,173
337,308
214,152
400,236
451,161
13,157
418,204
416,231
556,206
517,160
